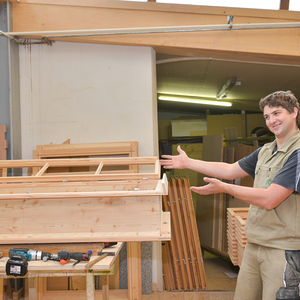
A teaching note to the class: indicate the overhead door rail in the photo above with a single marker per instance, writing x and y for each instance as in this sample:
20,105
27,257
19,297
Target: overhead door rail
148,30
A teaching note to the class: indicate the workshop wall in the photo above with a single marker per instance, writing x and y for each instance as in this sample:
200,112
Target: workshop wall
91,93
88,93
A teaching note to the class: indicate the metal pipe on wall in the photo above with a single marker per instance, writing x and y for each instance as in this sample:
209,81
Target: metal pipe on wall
147,30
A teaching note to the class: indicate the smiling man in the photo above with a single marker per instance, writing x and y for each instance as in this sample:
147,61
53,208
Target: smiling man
273,223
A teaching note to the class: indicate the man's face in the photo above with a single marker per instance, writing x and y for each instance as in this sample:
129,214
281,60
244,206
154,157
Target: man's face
279,120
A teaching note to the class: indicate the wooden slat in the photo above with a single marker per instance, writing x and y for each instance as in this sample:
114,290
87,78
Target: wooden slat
99,168
42,170
176,278
69,176
181,236
195,239
176,236
116,161
193,281
87,150
134,270
236,218
3,148
168,274
185,243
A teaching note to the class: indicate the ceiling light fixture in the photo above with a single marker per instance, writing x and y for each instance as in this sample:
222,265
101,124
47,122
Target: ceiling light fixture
226,88
194,101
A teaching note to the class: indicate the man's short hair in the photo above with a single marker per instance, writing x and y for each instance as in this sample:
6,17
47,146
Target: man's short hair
286,100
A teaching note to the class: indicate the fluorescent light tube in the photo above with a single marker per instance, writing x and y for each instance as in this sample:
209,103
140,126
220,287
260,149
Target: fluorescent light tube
195,101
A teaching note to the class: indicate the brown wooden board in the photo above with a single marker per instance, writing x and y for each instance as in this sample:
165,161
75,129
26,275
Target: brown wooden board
177,278
86,150
208,206
185,245
236,218
3,148
195,234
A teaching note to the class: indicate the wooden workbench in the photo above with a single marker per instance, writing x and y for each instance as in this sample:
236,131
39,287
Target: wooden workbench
94,205
39,270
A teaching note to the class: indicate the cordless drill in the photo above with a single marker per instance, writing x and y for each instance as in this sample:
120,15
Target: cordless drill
17,264
64,256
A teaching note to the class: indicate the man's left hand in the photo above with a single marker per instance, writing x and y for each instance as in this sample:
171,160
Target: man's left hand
214,186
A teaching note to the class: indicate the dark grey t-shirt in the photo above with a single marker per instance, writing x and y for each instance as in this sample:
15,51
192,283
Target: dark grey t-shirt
288,176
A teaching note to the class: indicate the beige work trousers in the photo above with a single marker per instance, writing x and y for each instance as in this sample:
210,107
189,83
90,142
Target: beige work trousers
261,273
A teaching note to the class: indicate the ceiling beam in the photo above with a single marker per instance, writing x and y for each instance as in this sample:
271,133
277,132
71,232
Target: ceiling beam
284,4
258,44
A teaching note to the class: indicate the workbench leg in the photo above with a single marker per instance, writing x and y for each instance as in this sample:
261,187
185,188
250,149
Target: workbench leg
1,289
41,287
134,270
105,287
30,289
90,286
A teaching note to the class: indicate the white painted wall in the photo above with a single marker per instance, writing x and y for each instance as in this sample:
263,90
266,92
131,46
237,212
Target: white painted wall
88,93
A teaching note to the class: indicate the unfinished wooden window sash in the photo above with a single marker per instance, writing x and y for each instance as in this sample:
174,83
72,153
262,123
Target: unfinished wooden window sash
99,163
95,207
58,185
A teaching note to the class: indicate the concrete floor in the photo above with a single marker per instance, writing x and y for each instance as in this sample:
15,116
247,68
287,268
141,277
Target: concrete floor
221,275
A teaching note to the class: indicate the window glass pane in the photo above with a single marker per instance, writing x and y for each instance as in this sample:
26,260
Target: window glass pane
294,5
274,4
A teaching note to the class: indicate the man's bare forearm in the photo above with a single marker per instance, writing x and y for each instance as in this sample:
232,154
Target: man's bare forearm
216,169
266,198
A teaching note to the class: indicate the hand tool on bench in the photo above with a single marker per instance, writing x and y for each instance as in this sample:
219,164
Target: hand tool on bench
101,256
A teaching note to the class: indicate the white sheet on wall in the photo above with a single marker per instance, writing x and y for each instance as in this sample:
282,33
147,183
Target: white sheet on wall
88,93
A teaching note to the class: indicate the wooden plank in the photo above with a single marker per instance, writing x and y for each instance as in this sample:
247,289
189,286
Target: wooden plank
228,157
235,231
122,295
21,188
90,286
168,267
188,243
230,133
87,150
42,170
187,238
105,287
116,161
284,4
176,238
3,143
196,239
244,150
175,210
176,278
134,270
3,148
252,46
126,176
1,288
208,208
79,219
